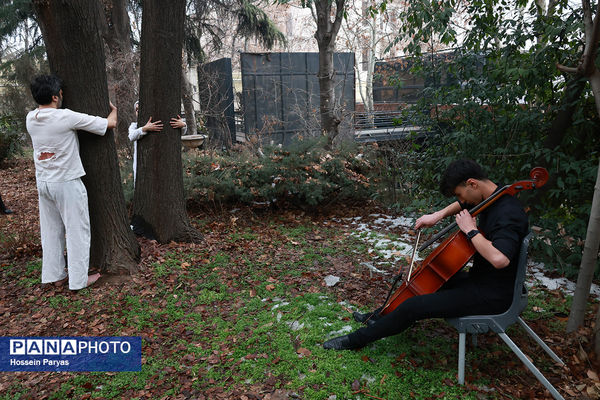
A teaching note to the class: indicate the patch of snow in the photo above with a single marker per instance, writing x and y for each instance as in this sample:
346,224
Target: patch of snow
345,303
386,250
390,250
276,306
331,280
369,379
346,329
373,268
536,275
295,326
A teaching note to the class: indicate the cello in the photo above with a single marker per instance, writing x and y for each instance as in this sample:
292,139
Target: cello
454,252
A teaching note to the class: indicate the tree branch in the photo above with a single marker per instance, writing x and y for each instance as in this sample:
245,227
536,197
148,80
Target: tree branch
339,16
569,70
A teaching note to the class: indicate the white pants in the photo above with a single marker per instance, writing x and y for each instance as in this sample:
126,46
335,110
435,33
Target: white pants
64,209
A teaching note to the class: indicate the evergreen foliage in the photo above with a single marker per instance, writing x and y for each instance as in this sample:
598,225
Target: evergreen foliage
11,138
496,101
252,21
302,175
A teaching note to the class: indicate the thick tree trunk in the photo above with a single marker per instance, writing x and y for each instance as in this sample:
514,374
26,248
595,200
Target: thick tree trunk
76,55
159,198
326,35
122,62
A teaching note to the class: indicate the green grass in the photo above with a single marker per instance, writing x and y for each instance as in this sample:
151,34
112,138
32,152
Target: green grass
264,338
228,320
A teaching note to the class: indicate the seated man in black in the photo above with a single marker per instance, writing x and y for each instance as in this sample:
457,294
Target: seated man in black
487,288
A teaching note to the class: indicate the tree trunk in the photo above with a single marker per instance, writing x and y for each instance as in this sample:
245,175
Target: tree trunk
564,117
188,101
122,62
75,53
159,199
326,35
592,238
558,130
587,68
588,264
371,62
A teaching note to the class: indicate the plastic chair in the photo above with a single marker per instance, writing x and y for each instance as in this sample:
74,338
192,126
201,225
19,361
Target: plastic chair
498,323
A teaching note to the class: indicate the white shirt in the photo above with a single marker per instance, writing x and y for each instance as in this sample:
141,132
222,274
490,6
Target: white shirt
54,132
135,134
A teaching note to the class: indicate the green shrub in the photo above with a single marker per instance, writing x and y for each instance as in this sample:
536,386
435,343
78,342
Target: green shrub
11,137
303,175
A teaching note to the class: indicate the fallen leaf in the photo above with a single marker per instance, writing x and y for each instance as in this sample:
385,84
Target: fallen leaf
303,351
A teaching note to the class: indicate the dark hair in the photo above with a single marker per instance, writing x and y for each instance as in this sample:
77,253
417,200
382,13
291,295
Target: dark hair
457,173
43,87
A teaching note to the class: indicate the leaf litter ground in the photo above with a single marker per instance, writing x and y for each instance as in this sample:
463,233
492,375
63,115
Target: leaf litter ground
243,315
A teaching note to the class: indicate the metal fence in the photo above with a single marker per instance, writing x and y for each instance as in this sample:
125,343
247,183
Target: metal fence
280,96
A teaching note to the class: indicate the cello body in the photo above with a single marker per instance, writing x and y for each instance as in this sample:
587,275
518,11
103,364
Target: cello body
445,261
455,251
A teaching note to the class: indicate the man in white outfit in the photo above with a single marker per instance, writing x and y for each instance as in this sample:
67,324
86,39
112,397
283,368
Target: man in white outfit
136,133
63,201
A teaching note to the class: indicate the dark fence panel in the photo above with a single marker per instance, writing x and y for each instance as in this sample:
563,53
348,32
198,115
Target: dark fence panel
281,94
215,85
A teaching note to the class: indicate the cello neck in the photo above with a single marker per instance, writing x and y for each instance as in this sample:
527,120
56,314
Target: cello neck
539,177
473,211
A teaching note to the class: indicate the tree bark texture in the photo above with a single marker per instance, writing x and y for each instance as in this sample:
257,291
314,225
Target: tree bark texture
588,263
159,198
326,35
76,54
122,65
587,68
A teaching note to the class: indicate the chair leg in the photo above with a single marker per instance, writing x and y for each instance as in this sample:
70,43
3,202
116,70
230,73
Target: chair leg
531,367
540,342
462,337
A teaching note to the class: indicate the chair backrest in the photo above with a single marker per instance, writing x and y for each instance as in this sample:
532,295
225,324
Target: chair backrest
499,322
519,302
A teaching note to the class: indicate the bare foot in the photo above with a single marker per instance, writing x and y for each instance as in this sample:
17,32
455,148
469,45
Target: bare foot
93,278
61,282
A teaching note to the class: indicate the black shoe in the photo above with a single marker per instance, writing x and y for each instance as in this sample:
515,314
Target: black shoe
362,318
7,211
339,343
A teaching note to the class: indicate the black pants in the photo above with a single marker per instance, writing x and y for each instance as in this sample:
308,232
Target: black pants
460,296
2,206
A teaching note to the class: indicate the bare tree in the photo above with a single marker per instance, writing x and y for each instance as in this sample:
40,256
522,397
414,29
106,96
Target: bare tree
122,61
327,31
75,53
588,69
